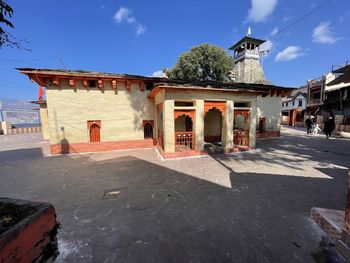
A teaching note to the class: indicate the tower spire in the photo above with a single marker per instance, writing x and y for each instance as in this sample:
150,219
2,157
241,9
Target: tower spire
249,31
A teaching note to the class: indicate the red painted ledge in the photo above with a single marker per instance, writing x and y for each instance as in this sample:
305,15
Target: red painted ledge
193,153
183,154
32,239
100,146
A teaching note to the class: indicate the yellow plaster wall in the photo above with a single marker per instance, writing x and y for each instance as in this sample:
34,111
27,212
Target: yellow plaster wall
121,113
228,120
270,108
168,125
253,122
199,124
227,124
44,122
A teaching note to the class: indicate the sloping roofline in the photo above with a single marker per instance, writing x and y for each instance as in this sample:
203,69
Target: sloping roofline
37,74
83,73
247,39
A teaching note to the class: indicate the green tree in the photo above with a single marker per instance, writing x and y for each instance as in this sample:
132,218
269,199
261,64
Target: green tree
203,62
6,39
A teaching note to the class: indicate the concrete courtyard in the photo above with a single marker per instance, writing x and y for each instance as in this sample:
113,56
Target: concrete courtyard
242,207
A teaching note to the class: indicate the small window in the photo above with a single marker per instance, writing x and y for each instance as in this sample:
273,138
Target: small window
183,103
287,104
92,83
148,131
293,103
242,104
149,85
300,103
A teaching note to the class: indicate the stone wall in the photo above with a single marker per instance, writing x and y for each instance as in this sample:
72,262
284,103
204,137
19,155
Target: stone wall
248,70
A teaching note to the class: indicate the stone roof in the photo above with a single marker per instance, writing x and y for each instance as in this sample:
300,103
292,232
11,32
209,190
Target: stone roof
219,85
83,73
249,40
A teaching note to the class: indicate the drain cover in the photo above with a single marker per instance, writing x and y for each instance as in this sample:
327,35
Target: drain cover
114,193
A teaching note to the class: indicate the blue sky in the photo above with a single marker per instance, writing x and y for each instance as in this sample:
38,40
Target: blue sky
143,37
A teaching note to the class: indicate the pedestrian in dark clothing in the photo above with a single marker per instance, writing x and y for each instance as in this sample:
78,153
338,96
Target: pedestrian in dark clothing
308,124
329,126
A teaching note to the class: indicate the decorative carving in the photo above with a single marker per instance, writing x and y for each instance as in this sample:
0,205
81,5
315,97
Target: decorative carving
189,113
72,83
128,85
144,122
56,81
220,105
85,83
114,84
90,123
100,84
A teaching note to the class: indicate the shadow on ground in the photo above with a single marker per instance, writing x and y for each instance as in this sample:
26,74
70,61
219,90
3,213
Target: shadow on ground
163,215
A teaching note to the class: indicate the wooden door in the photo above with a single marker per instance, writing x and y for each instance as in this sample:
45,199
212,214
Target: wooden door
94,133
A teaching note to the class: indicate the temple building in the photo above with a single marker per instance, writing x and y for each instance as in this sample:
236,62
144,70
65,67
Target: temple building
90,111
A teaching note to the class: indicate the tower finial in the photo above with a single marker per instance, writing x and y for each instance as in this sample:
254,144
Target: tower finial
249,32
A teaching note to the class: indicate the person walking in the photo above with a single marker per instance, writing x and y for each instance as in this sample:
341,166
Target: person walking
315,128
329,126
308,123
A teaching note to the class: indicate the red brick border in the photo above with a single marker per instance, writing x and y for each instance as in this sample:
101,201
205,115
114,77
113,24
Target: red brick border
101,146
29,239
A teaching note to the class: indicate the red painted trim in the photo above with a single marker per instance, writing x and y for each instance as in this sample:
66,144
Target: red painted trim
100,146
28,244
144,122
219,105
189,113
180,154
89,123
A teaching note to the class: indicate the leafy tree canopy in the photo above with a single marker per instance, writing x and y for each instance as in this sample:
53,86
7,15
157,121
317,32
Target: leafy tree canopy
203,62
6,39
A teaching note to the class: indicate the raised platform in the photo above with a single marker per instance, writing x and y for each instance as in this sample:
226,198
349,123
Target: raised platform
330,221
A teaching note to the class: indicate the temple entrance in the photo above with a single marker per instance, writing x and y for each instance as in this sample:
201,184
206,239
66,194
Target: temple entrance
213,131
184,135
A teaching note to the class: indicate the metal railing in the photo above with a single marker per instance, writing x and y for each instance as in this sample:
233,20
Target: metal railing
241,137
183,141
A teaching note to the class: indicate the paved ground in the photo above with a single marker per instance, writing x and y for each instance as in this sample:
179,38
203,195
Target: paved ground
243,207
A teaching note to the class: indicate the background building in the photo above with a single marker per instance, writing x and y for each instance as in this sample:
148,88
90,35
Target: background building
293,108
19,113
329,96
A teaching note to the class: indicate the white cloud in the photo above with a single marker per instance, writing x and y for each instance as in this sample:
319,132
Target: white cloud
323,34
140,29
274,31
289,53
124,14
287,18
267,46
158,73
261,10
